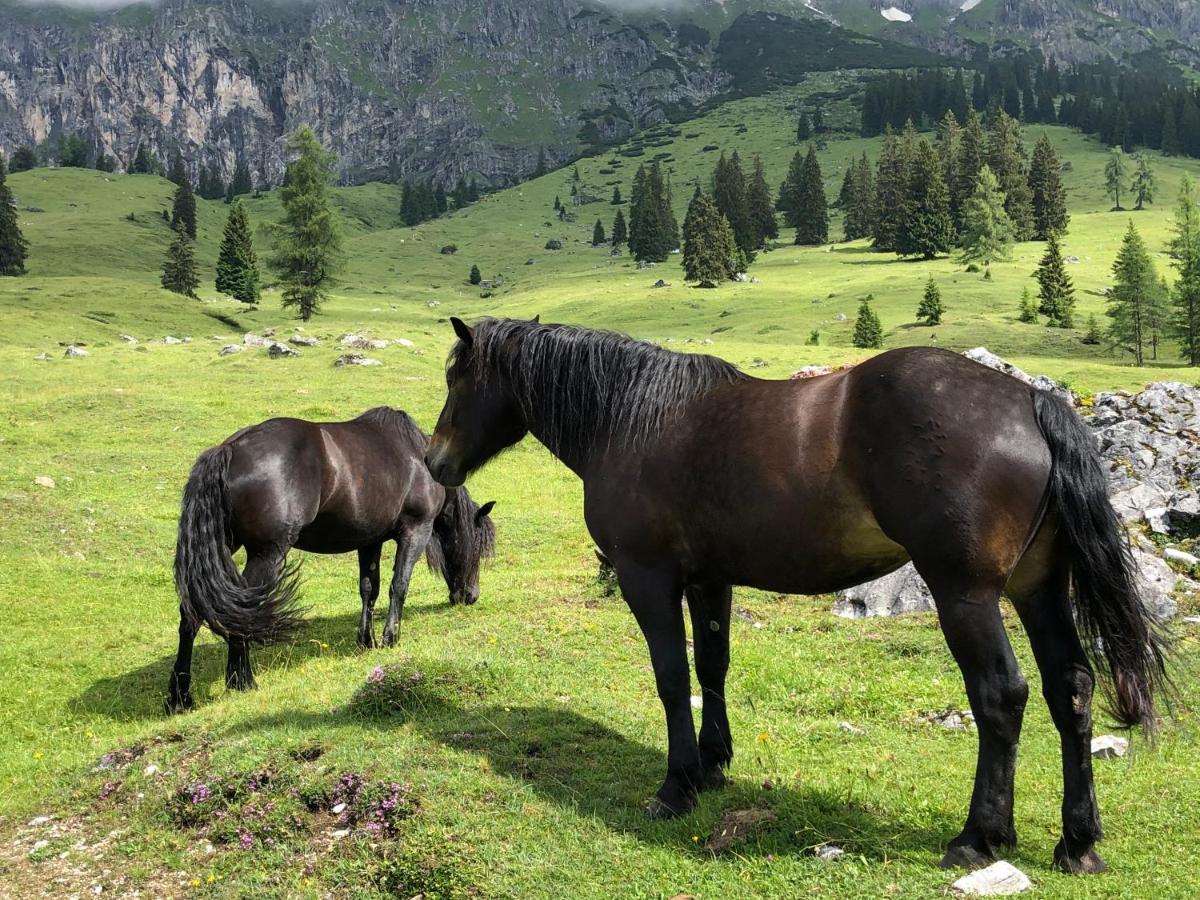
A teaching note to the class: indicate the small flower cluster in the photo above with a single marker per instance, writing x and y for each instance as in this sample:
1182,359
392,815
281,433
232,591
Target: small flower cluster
378,807
390,689
243,810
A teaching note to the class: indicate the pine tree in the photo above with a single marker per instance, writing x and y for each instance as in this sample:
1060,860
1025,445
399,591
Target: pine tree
709,248
730,195
803,131
237,265
476,277
891,182
1184,249
1115,174
930,310
1135,291
858,213
23,159
636,205
178,174
759,207
1028,310
868,331
540,169
183,208
968,161
557,203
1049,196
809,212
653,232
179,268
307,239
616,197
144,162
620,233
1006,156
13,246
242,182
987,231
1056,294
925,226
598,237
948,144
1143,184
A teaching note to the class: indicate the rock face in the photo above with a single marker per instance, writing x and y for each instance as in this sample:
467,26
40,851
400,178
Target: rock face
1149,443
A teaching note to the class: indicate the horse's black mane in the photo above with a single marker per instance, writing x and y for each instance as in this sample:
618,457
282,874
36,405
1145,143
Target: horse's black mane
588,389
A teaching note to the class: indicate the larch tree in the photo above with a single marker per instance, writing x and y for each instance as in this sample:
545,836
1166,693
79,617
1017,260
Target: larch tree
1143,184
1115,176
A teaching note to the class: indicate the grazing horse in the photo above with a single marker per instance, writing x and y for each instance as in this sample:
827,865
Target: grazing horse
698,477
325,487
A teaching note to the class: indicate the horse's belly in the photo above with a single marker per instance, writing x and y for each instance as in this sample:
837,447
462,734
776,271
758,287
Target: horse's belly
337,536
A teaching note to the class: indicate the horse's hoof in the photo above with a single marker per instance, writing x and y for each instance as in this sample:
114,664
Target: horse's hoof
965,856
657,809
670,802
713,779
176,705
1086,863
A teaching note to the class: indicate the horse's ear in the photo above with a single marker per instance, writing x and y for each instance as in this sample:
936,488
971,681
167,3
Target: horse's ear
464,332
537,320
481,513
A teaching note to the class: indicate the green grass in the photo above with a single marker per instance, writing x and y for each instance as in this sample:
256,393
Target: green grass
536,735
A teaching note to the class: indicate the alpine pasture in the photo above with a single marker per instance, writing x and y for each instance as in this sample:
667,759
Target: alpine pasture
523,733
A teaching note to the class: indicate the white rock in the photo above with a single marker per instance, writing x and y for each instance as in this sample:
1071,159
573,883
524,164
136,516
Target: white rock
1191,620
39,821
356,359
129,339
892,14
301,341
171,340
1158,519
40,845
1109,746
75,351
338,808
151,769
277,350
1175,555
44,481
828,852
697,702
850,729
403,342
253,340
42,357
340,833
998,880
230,349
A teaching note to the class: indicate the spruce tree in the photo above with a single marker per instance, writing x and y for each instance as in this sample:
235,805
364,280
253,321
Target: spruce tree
1028,310
868,331
810,209
1056,294
23,159
13,246
242,182
858,214
598,237
1143,184
968,161
654,232
1135,291
1049,195
179,268
307,239
237,265
620,233
948,144
709,248
616,197
930,310
730,195
143,162
183,208
178,174
476,277
1092,335
636,208
1170,133
925,226
557,203
785,202
1115,174
1184,249
1006,156
987,231
761,211
803,130
891,182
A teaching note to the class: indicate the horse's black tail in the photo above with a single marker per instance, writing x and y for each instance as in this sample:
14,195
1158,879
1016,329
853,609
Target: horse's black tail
1118,632
211,590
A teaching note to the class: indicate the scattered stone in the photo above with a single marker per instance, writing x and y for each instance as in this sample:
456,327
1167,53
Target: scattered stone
254,340
1000,879
338,808
230,349
403,342
44,481
151,769
839,317
277,350
1108,746
39,845
171,339
735,826
1191,620
643,264
1074,260
301,341
950,719
340,833
39,821
812,371
850,729
661,284
902,591
356,359
72,350
359,342
1175,555
42,357
828,852
129,339
741,277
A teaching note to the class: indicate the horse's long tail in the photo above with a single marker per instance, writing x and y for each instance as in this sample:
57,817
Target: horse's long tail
1118,632
211,590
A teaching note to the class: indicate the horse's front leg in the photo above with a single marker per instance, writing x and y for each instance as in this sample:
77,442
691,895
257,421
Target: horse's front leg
368,589
709,607
655,597
410,545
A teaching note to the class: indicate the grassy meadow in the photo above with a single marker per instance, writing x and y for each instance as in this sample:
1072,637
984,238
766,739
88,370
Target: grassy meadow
524,731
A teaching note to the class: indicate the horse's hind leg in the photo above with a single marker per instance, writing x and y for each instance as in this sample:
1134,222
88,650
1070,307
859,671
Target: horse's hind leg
409,547
1040,592
260,568
974,630
179,688
368,588
709,608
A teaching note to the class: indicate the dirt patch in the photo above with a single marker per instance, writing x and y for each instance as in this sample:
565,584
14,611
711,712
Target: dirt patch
736,826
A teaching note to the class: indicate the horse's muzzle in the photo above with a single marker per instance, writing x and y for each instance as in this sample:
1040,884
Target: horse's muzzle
443,473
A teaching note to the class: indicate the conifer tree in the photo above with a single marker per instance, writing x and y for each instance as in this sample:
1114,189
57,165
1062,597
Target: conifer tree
183,208
179,268
1170,133
709,248
23,159
1006,156
557,203
473,192
1115,174
13,246
1028,310
440,202
758,202
598,237
1143,184
540,169
1049,196
1134,295
476,277
931,308
809,211
948,143
1092,335
178,174
636,206
616,197
237,265
730,195
968,161
242,182
143,162
653,231
891,183
785,201
1184,249
803,131
458,197
987,231
868,331
620,233
925,226
307,239
1056,294
858,213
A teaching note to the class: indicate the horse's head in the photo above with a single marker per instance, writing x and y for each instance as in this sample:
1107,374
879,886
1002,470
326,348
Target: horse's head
463,536
482,415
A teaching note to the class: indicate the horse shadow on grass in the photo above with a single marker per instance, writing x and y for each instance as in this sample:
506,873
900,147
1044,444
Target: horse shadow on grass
141,692
595,771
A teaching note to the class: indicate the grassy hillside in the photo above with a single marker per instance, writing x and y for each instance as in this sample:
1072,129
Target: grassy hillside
533,734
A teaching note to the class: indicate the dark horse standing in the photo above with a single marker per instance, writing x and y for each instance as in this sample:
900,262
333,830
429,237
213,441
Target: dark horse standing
698,477
326,487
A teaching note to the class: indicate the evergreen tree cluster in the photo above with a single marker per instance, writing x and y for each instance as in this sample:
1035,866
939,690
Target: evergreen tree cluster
13,246
237,265
421,201
653,229
802,199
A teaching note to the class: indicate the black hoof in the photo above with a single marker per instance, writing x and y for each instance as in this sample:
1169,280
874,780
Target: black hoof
176,705
389,638
670,802
241,684
713,779
366,642
965,856
1086,863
